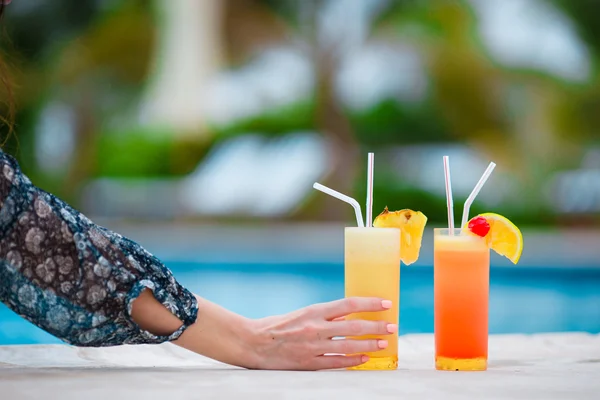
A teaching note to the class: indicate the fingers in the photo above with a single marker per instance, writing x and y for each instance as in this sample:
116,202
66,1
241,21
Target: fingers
343,307
358,328
351,346
336,362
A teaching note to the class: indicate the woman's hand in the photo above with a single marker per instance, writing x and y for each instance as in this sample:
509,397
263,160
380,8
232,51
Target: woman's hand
300,340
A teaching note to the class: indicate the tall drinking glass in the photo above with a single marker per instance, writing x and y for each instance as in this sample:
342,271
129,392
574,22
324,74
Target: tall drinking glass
461,293
372,269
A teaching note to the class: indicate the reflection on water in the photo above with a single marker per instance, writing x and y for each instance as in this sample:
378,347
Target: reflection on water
522,300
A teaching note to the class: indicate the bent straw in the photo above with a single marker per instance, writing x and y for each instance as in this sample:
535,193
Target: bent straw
370,165
475,192
449,202
344,198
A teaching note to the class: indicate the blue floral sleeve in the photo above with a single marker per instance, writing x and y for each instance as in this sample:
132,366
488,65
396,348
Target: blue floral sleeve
73,278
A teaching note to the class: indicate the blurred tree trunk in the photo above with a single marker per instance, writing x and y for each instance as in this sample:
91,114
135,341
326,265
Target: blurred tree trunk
186,56
248,27
343,149
330,118
83,163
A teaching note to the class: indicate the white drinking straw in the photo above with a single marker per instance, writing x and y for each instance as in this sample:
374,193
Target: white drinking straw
475,192
449,195
343,197
370,165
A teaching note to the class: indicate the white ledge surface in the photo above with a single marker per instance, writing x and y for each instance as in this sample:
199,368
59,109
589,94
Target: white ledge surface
544,366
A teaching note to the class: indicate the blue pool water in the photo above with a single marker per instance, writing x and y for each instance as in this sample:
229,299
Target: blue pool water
522,300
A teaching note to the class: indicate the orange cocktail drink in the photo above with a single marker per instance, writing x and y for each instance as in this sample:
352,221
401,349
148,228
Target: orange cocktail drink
461,293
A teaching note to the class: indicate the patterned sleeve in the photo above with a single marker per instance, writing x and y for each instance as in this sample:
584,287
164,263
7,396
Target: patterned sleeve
72,278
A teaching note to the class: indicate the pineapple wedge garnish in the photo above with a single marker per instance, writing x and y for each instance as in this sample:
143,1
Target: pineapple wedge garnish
411,224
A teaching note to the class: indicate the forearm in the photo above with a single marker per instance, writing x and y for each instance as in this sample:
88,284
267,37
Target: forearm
217,333
221,335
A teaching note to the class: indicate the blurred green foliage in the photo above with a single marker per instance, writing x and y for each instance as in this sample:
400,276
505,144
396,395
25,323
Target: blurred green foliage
390,123
134,154
144,153
280,121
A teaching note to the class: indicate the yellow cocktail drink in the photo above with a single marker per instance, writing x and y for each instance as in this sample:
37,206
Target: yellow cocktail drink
372,269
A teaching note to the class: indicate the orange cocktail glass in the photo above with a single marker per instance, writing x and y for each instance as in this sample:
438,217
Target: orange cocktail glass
461,293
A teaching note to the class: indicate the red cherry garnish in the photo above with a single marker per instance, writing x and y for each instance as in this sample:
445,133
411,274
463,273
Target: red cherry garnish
479,226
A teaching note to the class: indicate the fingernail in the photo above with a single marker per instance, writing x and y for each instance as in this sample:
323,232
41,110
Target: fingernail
392,328
382,344
386,304
364,359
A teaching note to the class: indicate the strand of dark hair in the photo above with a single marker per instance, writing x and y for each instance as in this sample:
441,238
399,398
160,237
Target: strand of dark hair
8,116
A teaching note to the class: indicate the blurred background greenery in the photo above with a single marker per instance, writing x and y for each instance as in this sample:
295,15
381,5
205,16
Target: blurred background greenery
142,92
